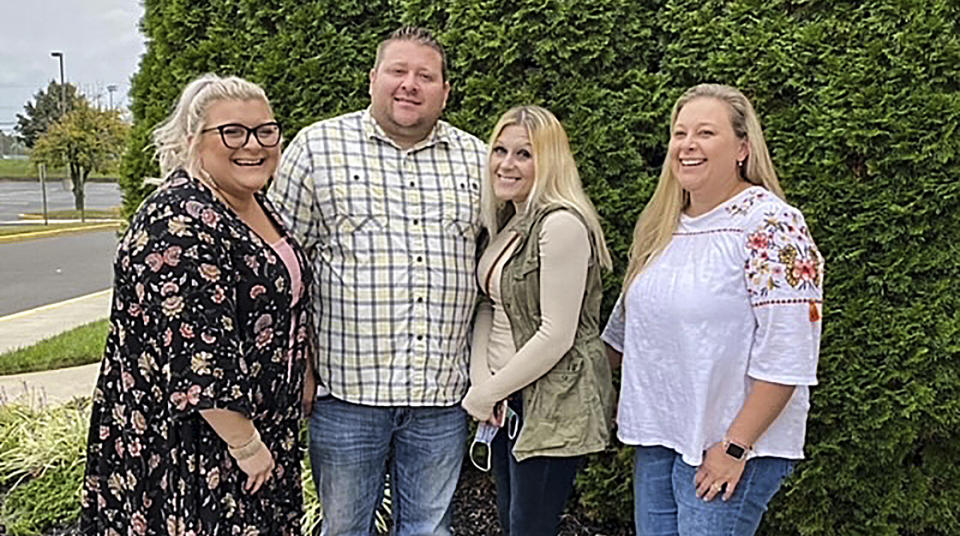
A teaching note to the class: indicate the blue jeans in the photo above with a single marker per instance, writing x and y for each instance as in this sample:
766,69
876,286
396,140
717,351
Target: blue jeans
531,494
666,504
351,447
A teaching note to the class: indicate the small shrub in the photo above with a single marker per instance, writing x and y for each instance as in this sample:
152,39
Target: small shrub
42,456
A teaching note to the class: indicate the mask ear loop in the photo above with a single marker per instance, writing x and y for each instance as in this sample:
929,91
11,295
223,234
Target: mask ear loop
513,423
484,436
486,467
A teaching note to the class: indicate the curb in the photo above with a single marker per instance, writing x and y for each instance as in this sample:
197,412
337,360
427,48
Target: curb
56,232
57,305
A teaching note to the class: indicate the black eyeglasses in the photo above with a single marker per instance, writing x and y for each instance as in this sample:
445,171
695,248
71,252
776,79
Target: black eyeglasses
235,135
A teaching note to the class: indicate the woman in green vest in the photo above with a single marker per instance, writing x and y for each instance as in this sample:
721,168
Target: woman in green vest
537,354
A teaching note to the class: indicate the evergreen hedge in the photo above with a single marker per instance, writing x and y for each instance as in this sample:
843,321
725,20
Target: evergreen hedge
860,104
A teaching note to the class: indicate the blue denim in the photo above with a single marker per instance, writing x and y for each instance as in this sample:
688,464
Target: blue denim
531,494
351,448
666,503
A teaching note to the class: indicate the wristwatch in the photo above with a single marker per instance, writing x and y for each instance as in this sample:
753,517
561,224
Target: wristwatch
735,450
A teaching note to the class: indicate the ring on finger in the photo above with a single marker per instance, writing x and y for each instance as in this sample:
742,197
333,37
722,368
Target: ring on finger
717,486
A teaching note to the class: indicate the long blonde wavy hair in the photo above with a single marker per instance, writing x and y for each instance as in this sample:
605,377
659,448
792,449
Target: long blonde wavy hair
556,178
177,138
659,219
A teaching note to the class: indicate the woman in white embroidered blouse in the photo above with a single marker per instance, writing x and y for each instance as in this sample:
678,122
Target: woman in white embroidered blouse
718,326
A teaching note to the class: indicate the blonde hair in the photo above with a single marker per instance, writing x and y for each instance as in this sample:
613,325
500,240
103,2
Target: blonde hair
176,139
556,178
659,219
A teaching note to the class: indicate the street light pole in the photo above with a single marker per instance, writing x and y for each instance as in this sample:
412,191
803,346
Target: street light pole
110,89
63,87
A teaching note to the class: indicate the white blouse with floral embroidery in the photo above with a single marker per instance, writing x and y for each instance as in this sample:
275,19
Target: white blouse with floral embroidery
734,297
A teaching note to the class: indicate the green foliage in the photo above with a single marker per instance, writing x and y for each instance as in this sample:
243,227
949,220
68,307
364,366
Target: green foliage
861,108
11,145
84,140
78,346
44,502
41,464
45,110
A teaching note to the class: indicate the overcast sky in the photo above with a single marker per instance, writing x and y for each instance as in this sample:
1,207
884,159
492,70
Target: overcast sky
100,40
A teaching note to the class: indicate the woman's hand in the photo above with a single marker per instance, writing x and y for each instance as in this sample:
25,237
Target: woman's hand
474,405
258,468
718,469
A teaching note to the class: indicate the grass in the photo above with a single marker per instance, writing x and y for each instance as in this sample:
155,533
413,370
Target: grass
13,230
23,169
79,346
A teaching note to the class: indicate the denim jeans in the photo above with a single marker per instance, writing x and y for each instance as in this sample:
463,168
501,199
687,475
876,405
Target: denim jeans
531,494
666,504
351,447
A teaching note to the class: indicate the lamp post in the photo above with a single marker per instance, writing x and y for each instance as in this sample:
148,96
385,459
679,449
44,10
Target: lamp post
63,88
110,89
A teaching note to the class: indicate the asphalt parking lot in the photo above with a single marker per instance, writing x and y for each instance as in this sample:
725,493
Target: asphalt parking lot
17,197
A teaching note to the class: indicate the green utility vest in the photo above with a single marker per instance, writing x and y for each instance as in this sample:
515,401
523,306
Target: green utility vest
569,410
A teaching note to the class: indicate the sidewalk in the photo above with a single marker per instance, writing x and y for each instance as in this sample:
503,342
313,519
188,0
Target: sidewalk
28,327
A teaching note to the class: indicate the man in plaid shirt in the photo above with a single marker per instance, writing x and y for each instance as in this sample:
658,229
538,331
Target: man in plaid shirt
386,203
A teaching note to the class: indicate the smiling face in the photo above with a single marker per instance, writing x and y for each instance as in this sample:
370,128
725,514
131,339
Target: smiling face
704,150
237,172
512,168
407,91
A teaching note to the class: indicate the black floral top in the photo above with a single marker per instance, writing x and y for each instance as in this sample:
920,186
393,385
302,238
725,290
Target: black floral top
201,318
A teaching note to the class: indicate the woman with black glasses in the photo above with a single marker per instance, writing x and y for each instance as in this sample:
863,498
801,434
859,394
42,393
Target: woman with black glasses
207,366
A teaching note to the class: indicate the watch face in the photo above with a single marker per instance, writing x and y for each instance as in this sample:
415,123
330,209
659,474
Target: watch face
736,451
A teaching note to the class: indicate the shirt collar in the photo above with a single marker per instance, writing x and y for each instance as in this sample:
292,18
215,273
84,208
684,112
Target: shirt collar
441,133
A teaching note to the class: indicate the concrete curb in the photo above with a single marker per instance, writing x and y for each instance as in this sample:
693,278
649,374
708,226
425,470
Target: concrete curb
57,232
49,386
29,327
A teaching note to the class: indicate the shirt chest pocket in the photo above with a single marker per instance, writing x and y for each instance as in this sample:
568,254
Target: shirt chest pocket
460,196
460,206
354,192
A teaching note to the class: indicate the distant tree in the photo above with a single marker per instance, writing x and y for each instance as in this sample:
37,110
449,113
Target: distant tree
85,140
44,111
11,145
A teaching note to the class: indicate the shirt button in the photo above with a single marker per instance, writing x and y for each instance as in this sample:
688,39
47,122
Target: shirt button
416,221
412,184
420,299
419,258
419,337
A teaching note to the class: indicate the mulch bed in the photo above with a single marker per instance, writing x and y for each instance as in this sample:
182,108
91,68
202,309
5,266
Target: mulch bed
475,511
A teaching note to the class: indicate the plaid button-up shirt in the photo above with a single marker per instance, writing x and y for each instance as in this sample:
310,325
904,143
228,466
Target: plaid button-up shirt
392,234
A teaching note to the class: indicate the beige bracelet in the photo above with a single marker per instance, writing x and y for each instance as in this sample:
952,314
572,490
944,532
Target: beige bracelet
248,449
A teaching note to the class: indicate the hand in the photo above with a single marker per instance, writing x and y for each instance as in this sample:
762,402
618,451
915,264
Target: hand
718,469
477,409
499,415
309,393
258,469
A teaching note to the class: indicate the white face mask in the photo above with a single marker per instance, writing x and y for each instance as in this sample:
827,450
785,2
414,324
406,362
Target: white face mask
486,432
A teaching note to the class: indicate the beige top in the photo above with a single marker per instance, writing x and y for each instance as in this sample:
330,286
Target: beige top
497,367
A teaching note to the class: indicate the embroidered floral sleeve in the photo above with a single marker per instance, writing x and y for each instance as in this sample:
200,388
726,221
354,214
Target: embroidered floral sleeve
783,271
187,288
